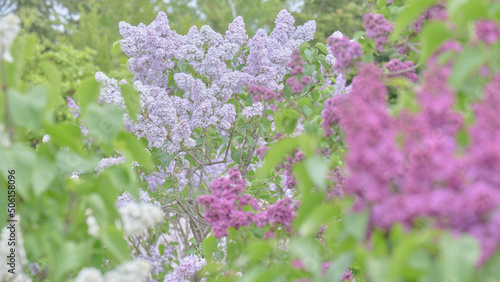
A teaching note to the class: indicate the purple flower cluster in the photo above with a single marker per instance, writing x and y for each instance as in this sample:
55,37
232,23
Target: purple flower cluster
169,115
262,93
225,206
282,212
395,65
289,180
434,13
487,31
156,260
424,172
346,52
377,28
296,65
330,114
188,266
75,109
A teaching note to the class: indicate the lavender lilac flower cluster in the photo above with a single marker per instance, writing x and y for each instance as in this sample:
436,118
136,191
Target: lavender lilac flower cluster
169,114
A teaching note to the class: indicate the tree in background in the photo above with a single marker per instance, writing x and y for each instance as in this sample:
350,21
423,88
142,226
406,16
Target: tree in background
332,15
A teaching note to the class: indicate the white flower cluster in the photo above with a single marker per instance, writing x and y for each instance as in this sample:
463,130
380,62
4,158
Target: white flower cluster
10,26
137,217
132,271
93,229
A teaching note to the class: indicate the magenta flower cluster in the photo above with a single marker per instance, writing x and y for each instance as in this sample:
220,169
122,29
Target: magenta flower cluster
296,65
487,31
330,114
262,93
377,28
225,206
346,52
401,69
424,172
289,180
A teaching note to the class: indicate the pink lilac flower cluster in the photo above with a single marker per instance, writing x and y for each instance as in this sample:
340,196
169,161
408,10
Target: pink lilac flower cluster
338,178
262,93
224,208
345,51
288,178
396,66
330,114
434,13
488,31
377,28
296,65
424,172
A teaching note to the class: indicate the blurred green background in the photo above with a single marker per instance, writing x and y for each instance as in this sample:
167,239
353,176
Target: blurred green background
79,36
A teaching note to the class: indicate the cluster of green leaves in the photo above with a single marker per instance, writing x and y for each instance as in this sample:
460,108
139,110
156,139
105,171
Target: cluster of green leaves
52,207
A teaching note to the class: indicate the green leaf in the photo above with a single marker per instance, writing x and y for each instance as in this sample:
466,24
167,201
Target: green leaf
122,178
132,102
27,110
99,209
256,250
309,54
22,160
43,175
469,10
87,93
208,246
165,159
432,36
134,149
303,46
319,216
54,77
304,248
317,168
355,224
66,135
66,257
340,266
377,269
114,241
68,162
411,11
275,154
104,123
322,47
467,62
458,257
289,121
